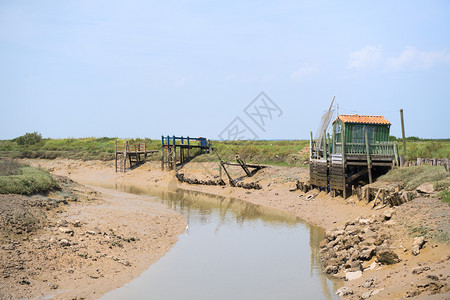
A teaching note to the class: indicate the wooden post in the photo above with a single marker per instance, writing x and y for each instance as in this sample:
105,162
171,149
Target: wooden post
369,167
403,131
115,148
168,156
220,171
189,148
162,158
344,182
310,145
333,141
174,156
125,156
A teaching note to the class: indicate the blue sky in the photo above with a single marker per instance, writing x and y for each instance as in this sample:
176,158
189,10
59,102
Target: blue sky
144,68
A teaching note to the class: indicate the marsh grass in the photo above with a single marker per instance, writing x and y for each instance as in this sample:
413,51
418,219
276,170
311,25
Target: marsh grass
18,178
445,196
411,177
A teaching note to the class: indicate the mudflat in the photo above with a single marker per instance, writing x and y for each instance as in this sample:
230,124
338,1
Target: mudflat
87,241
412,275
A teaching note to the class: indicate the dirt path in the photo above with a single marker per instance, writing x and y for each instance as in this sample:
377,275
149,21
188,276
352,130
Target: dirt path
98,241
385,281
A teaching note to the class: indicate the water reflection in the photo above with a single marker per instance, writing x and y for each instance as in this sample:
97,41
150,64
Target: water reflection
184,201
266,247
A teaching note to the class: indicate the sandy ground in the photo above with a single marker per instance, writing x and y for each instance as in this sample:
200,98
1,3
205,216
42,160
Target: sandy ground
97,241
394,281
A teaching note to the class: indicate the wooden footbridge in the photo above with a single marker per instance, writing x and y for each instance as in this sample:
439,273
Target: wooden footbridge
134,153
178,149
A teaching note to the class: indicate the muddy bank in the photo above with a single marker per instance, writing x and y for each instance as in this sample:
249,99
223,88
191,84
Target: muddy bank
396,235
80,242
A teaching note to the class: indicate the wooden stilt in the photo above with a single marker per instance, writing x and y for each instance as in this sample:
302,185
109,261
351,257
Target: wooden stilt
125,156
344,181
174,167
115,148
369,164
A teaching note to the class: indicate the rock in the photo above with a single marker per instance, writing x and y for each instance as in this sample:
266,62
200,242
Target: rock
66,230
417,245
387,257
388,214
90,232
367,253
332,269
64,243
323,243
365,221
425,188
372,266
344,291
352,241
434,286
383,236
366,295
24,281
369,282
354,266
334,234
369,242
61,223
353,275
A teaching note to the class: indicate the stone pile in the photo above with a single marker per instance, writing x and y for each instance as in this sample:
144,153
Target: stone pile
345,251
181,178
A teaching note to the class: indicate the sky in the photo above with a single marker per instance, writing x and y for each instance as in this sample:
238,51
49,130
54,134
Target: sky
221,69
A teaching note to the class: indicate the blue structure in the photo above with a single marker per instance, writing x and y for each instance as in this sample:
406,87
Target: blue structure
169,145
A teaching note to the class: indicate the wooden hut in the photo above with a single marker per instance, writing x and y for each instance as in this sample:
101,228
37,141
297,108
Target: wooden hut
359,147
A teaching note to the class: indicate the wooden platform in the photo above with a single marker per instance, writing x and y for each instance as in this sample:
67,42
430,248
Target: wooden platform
176,150
134,153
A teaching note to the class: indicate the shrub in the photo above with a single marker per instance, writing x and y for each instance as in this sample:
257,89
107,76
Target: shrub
29,138
30,180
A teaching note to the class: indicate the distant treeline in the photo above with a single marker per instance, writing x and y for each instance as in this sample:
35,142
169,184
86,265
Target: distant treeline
275,152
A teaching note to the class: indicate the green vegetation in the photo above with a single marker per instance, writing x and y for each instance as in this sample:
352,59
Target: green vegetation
29,138
411,177
80,149
17,178
423,148
445,196
282,153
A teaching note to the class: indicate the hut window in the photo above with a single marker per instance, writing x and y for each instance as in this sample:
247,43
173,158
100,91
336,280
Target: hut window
370,133
358,134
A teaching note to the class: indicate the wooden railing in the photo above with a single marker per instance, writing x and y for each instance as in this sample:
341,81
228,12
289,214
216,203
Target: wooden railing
382,148
141,147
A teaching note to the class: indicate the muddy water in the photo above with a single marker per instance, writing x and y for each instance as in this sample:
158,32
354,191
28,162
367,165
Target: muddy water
232,250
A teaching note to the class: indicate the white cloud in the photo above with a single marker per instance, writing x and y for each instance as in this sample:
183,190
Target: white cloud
367,57
304,71
412,58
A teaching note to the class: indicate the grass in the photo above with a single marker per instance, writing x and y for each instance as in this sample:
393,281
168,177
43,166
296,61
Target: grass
281,153
24,179
411,177
445,196
425,149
